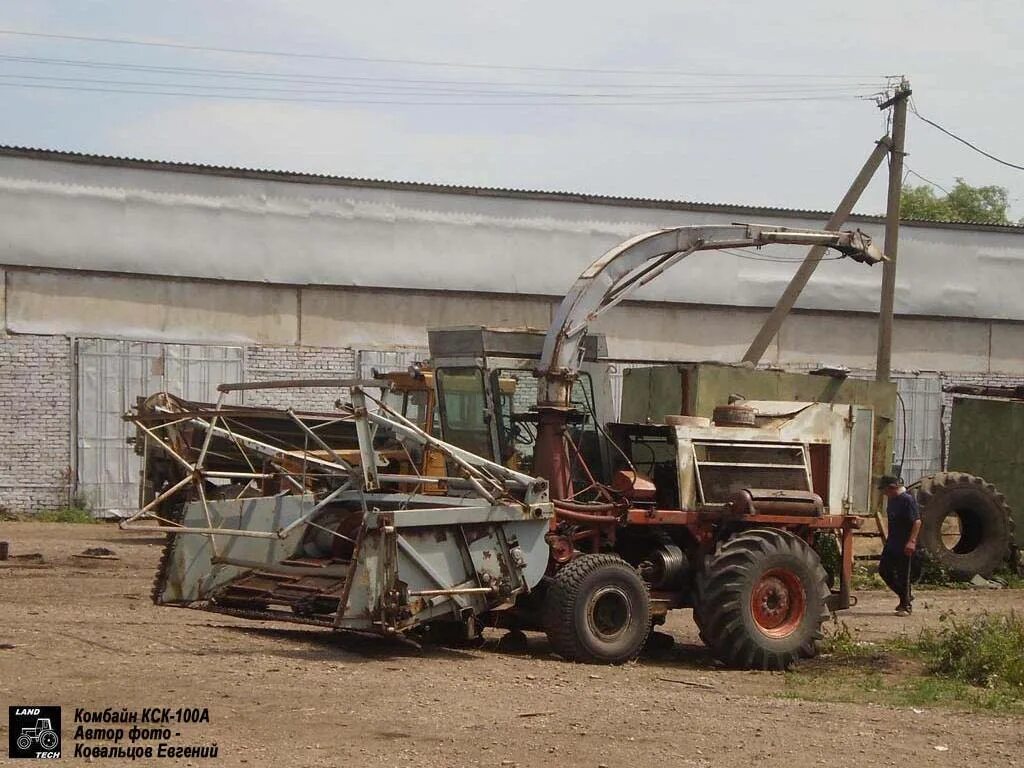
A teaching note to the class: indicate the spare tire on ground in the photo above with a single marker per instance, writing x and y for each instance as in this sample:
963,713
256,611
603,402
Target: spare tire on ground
965,523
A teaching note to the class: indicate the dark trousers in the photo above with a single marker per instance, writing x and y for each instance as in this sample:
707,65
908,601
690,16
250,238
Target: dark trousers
894,568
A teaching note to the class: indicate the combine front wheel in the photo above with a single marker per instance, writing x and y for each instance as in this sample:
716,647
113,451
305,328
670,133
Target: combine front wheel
762,600
597,611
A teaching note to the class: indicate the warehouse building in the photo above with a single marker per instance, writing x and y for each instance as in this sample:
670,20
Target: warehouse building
123,277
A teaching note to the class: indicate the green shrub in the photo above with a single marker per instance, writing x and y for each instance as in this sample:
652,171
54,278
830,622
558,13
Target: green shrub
935,573
985,649
827,546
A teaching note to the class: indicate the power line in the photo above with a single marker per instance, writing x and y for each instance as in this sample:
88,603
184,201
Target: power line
413,62
321,78
357,89
388,90
414,102
965,141
912,172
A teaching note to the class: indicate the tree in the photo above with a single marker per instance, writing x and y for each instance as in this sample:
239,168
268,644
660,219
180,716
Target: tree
983,205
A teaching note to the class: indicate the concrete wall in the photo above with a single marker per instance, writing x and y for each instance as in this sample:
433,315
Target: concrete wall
66,302
53,302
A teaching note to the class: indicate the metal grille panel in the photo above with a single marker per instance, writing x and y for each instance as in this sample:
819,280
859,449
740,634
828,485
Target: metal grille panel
919,444
111,374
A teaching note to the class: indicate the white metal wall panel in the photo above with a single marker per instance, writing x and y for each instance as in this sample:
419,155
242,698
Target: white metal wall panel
919,445
82,216
112,373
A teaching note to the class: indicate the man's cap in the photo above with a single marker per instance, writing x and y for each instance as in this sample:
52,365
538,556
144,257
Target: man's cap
887,480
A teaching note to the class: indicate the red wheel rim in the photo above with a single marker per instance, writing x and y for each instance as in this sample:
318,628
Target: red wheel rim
777,602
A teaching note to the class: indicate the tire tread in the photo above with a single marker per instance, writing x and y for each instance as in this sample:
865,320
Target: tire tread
717,610
559,619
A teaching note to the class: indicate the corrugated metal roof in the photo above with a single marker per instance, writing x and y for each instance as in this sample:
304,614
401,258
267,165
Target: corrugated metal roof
580,197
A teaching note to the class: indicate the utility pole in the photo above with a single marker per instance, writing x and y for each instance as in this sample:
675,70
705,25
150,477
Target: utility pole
883,361
782,309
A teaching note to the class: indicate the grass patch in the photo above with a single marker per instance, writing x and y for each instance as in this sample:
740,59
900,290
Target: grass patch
971,664
985,650
838,640
896,684
65,515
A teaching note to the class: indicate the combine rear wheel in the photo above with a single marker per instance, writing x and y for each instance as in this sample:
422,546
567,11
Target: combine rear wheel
761,600
979,533
597,611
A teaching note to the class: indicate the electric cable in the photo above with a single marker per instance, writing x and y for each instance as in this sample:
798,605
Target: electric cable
979,150
319,78
360,89
414,102
412,62
912,172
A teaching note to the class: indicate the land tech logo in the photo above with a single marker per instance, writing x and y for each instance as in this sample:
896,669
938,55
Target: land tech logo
34,732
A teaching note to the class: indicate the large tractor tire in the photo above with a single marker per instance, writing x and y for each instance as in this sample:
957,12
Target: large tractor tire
985,523
761,600
597,611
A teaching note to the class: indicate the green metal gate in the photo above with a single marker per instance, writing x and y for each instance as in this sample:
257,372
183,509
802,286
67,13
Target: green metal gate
986,439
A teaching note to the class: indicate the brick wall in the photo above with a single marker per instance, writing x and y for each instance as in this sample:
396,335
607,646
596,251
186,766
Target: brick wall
35,418
36,392
265,363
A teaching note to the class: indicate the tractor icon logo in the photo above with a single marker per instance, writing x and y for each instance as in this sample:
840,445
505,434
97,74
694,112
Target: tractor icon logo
42,732
34,732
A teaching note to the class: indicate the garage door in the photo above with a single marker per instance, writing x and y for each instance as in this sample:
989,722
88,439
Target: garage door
111,374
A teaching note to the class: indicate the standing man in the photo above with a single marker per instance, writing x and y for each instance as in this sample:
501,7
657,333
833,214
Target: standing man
901,541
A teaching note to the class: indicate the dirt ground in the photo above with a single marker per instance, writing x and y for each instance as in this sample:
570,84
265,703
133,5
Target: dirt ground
83,633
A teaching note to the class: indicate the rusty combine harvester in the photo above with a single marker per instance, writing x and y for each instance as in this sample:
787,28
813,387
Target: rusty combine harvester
294,516
542,519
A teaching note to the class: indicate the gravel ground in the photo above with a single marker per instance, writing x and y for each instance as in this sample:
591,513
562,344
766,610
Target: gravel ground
84,634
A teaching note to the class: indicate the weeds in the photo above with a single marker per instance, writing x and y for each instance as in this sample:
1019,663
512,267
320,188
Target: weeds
838,640
827,546
986,650
63,515
973,663
935,574
865,577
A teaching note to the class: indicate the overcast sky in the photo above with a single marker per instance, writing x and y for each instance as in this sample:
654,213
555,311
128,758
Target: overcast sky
964,60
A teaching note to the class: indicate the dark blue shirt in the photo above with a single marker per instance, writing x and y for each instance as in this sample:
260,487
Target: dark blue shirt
902,512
